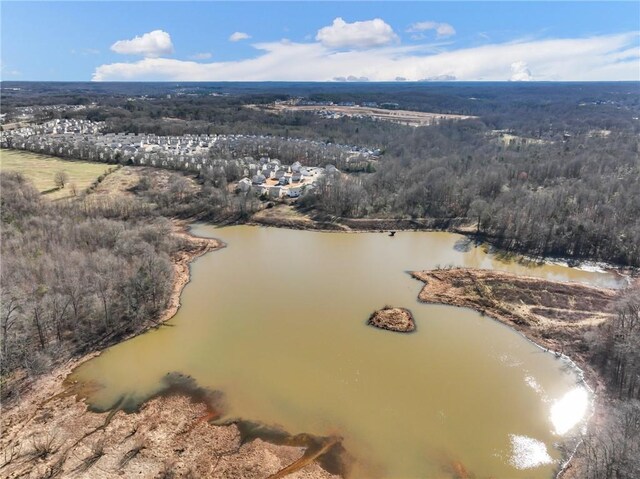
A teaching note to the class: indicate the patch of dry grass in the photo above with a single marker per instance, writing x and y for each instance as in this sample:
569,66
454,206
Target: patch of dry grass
518,299
41,169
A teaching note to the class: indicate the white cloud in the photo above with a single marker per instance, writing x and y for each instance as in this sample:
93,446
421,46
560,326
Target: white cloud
151,45
367,34
604,57
443,30
520,72
201,56
441,77
237,36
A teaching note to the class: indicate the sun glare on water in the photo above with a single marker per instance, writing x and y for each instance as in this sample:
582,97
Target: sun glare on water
569,410
566,413
527,453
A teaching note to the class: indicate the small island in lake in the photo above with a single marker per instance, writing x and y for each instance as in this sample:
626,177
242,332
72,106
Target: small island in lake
393,319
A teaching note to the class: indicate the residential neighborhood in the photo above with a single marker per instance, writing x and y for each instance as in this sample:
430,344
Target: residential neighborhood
202,154
274,180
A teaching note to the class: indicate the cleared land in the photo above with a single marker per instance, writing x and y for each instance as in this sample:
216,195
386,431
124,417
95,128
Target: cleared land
283,215
521,300
403,117
41,169
508,139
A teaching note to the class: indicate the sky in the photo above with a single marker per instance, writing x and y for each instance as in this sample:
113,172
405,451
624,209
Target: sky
320,41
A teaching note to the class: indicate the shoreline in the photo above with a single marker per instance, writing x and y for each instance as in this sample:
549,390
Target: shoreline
273,218
180,264
550,335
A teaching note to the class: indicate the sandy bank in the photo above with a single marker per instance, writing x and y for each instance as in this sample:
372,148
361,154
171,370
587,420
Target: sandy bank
288,216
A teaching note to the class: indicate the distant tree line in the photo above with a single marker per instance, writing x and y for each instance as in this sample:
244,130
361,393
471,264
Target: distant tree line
532,109
578,198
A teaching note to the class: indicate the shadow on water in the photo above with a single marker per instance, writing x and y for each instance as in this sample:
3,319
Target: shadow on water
465,244
172,384
468,243
506,256
327,451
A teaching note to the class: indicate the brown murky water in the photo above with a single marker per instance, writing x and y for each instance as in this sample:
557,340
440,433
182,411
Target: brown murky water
276,321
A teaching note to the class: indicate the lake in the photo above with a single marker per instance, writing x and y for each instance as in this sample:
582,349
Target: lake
276,321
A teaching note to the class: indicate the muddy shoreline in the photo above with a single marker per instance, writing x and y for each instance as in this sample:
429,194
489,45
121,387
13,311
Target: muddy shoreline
547,313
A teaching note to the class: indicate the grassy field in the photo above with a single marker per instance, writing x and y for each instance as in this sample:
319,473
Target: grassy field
41,169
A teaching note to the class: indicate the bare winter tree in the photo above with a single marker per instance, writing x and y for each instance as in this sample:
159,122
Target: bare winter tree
612,450
60,179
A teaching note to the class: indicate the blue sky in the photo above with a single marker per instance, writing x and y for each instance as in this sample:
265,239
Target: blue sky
286,40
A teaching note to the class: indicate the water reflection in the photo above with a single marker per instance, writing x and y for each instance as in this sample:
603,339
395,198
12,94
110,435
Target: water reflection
569,410
527,452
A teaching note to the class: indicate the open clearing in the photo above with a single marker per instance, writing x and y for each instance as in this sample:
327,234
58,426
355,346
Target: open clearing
403,117
521,300
41,169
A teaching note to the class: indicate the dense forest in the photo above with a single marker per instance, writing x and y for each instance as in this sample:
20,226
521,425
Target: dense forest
74,274
578,198
82,273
